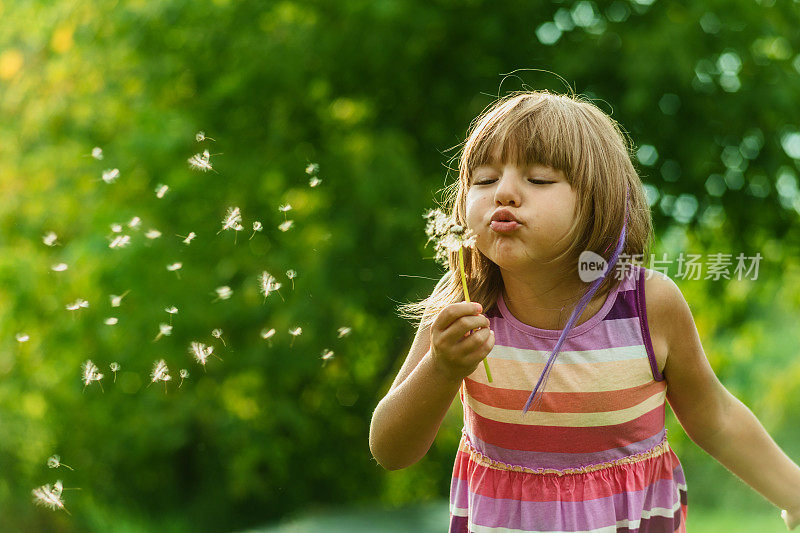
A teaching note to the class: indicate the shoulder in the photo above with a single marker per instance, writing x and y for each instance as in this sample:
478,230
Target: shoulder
667,313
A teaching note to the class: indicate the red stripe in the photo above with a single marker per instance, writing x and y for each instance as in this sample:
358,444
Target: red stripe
565,402
554,439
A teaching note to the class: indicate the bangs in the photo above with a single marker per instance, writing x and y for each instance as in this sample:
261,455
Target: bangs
530,133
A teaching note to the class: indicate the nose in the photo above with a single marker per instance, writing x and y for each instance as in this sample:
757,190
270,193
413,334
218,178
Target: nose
507,191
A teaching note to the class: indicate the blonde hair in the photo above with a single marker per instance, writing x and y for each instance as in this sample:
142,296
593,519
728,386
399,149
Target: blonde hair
565,132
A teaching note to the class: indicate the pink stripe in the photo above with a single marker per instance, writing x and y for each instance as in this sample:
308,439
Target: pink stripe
606,334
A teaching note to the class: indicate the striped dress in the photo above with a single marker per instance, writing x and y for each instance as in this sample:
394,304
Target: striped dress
594,457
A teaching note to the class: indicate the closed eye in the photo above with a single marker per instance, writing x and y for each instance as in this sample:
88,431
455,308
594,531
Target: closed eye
534,181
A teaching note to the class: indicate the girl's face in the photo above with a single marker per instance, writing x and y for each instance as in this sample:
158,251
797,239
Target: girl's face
538,197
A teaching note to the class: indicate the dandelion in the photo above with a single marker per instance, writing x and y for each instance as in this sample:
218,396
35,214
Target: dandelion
111,175
49,238
223,293
286,225
294,333
201,136
201,352
256,227
217,334
188,238
312,168
50,498
184,374
233,218
291,274
114,368
111,321
313,182
164,330
59,267
91,373
153,234
450,237
54,461
161,190
117,300
121,241
267,284
201,162
22,337
77,304
116,228
160,372
135,222
326,356
267,335
97,153
344,331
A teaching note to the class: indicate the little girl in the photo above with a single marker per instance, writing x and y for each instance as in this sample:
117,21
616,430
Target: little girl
568,434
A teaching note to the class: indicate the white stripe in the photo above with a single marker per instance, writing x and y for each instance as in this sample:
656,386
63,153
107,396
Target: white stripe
577,357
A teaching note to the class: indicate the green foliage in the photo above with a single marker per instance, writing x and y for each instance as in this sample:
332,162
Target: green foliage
378,94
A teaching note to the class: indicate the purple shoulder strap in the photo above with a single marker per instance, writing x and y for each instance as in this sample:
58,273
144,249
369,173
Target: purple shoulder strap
641,309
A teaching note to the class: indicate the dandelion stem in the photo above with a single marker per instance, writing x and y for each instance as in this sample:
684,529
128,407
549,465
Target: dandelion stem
466,299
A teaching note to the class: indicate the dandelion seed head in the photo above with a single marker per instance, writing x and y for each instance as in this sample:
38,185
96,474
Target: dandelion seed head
344,331
160,372
266,334
47,497
257,226
114,367
313,182
110,175
201,162
171,310
135,222
161,190
233,217
267,283
200,136
291,274
296,331
91,372
22,337
54,461
175,266
120,241
153,234
49,238
446,234
286,225
59,267
184,373
200,351
224,292
312,168
217,333
111,321
97,153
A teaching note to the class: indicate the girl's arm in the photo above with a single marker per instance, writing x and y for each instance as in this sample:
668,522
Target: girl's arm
712,417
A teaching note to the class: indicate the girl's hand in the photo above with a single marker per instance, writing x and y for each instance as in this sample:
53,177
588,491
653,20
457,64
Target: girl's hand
456,352
791,517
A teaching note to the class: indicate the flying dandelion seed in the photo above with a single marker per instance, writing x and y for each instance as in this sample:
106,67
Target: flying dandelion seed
111,321
77,304
111,175
286,225
59,267
256,227
201,352
172,311
50,238
97,153
164,330
284,208
50,498
160,373
201,162
313,182
188,238
267,284
184,374
223,293
233,217
117,300
116,228
344,331
174,267
153,234
54,461
201,136
326,356
135,223
114,368
91,373
217,334
312,168
120,241
161,190
267,334
291,274
294,333
22,337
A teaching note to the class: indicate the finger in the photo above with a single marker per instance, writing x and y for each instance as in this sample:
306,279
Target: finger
475,340
453,312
